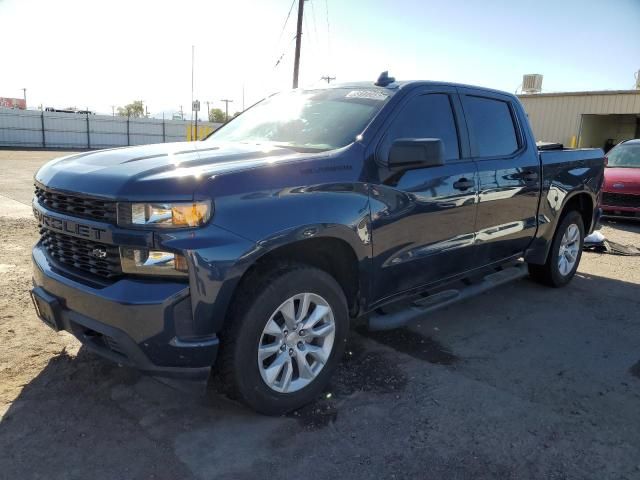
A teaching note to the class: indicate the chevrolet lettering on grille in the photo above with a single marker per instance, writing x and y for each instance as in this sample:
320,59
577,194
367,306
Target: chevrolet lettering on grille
68,226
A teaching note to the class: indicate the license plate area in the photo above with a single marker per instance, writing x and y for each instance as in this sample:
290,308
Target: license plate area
47,308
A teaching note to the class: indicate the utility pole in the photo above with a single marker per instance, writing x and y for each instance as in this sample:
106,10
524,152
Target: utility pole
196,125
296,61
327,78
24,94
181,113
208,111
193,54
113,110
226,108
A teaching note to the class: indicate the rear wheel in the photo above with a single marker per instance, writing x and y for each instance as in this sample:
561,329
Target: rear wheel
565,254
285,339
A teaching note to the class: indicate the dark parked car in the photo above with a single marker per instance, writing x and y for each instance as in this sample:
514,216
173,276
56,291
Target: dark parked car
621,191
255,249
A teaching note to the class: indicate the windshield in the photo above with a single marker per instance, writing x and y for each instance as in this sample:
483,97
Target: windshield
624,156
308,119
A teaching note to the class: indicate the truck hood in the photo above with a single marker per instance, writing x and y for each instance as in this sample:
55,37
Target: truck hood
622,180
156,172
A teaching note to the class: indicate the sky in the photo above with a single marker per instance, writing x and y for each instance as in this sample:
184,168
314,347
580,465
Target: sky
98,54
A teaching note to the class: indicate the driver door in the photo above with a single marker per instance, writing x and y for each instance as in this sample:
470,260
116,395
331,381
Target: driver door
423,219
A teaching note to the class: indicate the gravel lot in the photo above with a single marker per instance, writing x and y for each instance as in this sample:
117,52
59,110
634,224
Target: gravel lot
522,382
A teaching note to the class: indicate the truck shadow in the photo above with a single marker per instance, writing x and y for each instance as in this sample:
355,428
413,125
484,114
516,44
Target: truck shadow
80,410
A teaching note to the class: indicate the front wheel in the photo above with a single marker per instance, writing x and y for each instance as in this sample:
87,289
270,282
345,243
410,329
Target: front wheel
285,339
565,254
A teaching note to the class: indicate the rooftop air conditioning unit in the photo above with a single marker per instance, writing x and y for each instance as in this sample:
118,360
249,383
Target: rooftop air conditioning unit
532,83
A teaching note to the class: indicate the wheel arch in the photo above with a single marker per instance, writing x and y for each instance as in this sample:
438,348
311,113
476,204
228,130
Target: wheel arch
581,201
330,251
584,204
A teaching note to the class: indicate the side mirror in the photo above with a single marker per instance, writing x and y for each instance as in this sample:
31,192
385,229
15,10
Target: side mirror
410,153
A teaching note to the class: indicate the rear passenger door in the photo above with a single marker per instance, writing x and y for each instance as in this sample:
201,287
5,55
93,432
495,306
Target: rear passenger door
423,218
508,172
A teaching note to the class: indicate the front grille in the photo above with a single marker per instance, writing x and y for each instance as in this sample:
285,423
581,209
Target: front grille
81,254
77,205
620,200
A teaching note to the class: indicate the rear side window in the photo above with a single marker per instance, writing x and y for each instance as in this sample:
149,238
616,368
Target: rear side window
427,116
491,124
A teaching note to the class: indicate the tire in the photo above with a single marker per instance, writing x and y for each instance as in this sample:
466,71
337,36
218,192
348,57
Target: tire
554,273
300,370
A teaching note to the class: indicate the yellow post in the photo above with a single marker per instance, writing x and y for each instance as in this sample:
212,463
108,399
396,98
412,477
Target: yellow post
574,142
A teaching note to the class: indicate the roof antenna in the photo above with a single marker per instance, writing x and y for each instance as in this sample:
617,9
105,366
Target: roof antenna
384,79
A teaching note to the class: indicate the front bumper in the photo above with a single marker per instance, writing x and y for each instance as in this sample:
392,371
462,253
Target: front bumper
133,322
621,203
618,211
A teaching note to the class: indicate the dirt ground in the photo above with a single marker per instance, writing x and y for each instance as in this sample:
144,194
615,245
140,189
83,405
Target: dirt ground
522,382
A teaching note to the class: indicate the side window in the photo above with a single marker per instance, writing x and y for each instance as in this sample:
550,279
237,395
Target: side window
491,125
427,116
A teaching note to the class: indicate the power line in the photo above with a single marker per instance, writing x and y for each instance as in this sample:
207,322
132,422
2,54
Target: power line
313,15
286,21
326,6
284,26
305,28
284,52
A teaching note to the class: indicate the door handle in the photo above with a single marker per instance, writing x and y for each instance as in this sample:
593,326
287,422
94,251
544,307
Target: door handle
463,184
529,176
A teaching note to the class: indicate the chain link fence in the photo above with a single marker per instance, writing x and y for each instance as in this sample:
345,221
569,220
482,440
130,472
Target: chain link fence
41,129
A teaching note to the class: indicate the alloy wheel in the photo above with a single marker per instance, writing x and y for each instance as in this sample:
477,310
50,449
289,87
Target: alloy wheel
296,342
569,247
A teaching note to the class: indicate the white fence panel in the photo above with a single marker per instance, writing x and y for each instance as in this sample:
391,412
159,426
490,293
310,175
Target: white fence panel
33,128
23,130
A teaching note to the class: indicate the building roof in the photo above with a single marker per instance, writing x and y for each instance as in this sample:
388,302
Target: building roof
566,94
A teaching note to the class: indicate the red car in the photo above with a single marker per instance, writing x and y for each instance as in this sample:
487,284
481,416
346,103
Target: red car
621,192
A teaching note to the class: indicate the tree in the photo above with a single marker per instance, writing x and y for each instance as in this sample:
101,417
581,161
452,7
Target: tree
216,115
134,109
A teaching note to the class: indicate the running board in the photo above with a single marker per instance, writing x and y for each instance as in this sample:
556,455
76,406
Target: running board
389,321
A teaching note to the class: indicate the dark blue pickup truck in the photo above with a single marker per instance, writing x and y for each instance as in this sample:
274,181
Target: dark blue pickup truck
254,249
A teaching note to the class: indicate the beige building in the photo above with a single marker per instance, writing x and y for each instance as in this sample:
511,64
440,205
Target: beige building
584,119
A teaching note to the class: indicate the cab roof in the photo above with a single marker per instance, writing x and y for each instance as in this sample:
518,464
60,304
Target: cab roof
396,86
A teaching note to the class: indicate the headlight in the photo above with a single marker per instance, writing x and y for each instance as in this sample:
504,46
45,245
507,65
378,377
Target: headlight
152,262
165,215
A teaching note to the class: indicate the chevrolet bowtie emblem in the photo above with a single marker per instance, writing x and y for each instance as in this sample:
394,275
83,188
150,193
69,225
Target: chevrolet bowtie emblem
99,253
